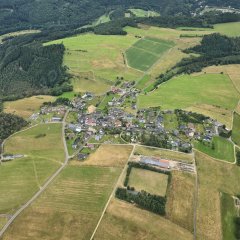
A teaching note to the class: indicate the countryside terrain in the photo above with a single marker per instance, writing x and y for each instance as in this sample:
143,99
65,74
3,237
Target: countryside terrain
122,122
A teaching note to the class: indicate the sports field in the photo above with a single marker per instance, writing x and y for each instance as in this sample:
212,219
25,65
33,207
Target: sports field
209,224
236,129
145,52
149,181
125,221
190,91
27,106
21,178
69,208
220,148
180,199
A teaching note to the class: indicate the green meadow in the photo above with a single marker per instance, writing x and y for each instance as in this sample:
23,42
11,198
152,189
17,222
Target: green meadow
21,178
236,128
220,148
187,90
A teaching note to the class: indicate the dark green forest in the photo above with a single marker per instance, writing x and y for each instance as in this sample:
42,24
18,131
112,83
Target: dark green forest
10,124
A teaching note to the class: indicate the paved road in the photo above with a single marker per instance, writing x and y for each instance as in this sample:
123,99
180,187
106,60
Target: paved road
43,188
113,192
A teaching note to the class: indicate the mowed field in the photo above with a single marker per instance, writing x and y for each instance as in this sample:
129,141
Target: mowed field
21,178
236,128
180,199
193,91
145,52
214,177
223,149
70,208
164,154
27,106
125,221
149,181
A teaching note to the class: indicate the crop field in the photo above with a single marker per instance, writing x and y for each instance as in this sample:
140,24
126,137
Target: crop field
210,186
145,52
109,155
27,106
21,178
229,213
180,199
236,129
69,208
163,153
149,181
223,149
125,221
189,91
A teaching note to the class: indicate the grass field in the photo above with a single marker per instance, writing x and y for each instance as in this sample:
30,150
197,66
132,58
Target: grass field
229,29
167,154
27,106
21,178
69,208
125,221
149,181
236,129
109,155
145,52
228,213
214,177
190,91
170,121
223,149
180,199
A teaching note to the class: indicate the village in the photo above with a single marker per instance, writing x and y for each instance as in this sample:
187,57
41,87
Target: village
115,118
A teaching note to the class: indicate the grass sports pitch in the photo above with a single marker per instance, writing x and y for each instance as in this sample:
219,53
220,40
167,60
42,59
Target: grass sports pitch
145,52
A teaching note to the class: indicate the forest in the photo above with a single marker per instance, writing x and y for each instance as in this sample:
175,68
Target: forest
10,124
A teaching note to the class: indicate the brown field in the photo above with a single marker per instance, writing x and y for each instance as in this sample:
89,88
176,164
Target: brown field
124,221
180,199
69,208
149,181
222,115
214,177
109,155
27,106
167,154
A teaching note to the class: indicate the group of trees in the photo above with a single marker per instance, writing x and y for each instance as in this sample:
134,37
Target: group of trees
145,200
10,124
154,140
190,117
238,158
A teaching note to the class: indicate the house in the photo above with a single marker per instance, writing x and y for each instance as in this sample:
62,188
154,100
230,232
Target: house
56,119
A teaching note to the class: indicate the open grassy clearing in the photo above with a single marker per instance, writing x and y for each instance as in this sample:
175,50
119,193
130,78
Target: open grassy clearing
229,29
143,13
149,181
236,129
228,212
21,178
167,154
145,52
27,106
142,83
125,221
170,121
69,208
109,155
189,91
15,34
214,177
220,148
180,199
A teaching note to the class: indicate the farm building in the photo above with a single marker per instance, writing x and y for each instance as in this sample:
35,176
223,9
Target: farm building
155,162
